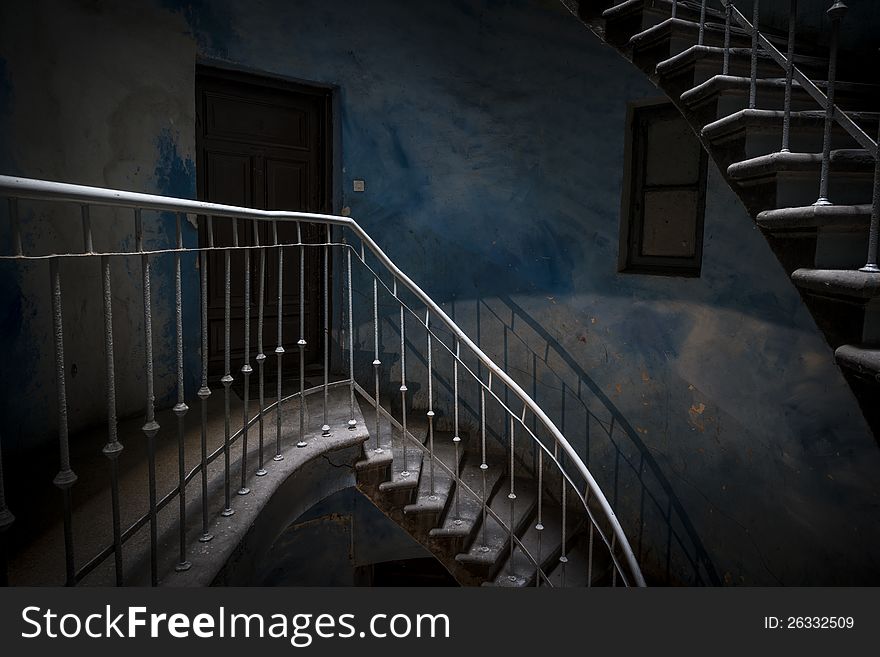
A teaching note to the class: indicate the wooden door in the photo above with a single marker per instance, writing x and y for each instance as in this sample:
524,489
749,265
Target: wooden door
263,144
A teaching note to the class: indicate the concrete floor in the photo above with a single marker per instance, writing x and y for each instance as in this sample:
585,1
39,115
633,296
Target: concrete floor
42,561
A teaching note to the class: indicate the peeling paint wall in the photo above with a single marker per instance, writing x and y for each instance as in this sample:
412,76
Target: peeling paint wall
490,134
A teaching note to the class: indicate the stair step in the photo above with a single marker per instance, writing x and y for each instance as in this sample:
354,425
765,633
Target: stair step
723,95
754,132
839,218
627,18
544,545
861,360
712,57
460,525
578,571
391,444
782,180
435,502
838,282
492,540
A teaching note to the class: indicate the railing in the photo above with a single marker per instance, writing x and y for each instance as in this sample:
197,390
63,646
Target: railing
824,99
526,426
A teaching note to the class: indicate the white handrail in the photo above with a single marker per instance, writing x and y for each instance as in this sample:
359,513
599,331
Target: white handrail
34,189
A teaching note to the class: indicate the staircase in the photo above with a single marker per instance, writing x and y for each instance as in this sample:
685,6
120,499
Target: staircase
788,124
439,436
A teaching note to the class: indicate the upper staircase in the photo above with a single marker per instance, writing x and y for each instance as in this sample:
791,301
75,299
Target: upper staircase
789,124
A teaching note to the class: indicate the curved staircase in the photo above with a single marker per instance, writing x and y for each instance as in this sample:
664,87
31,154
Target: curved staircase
703,57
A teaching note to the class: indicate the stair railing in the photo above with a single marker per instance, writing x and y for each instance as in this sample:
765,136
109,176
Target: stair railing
825,99
337,235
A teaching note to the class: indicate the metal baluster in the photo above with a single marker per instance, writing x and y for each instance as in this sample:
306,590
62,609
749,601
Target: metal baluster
325,428
728,10
301,343
590,556
376,362
789,73
836,13
539,526
279,350
871,265
405,472
113,447
88,246
65,478
204,391
6,520
246,371
701,37
227,376
674,7
151,427
180,408
512,497
430,412
261,355
753,82
16,227
483,465
563,559
456,438
352,423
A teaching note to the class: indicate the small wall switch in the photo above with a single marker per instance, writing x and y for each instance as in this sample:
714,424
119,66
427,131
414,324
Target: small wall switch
359,185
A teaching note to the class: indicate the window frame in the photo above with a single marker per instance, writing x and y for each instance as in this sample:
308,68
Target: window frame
630,258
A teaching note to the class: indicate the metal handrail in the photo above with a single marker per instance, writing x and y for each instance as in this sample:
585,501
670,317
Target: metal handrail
27,188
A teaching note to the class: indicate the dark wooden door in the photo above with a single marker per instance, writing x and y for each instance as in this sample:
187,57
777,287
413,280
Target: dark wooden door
263,144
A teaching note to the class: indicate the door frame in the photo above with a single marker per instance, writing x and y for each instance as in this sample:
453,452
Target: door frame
331,192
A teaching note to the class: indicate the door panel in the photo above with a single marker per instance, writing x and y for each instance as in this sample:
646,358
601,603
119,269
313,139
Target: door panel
263,144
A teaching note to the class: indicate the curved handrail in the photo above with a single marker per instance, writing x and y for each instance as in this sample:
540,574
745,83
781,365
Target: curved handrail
66,192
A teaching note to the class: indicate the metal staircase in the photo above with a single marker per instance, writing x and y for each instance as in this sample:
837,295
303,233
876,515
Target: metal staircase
789,124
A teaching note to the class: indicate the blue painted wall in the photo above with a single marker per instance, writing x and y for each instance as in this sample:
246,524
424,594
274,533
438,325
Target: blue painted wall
490,134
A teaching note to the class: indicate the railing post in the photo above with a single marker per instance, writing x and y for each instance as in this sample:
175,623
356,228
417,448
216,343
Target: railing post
279,350
512,497
376,362
728,10
261,354
227,379
701,37
65,478
403,389
204,391
753,80
113,447
325,428
301,343
789,72
151,427
180,408
430,413
539,526
674,7
871,265
246,371
352,423
456,439
836,13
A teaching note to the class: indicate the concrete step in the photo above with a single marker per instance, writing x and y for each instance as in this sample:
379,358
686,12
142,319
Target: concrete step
582,568
491,540
787,180
431,502
838,283
811,218
862,360
698,64
723,95
542,542
464,512
752,132
627,18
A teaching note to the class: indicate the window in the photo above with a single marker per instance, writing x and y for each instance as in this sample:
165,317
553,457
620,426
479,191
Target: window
664,193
